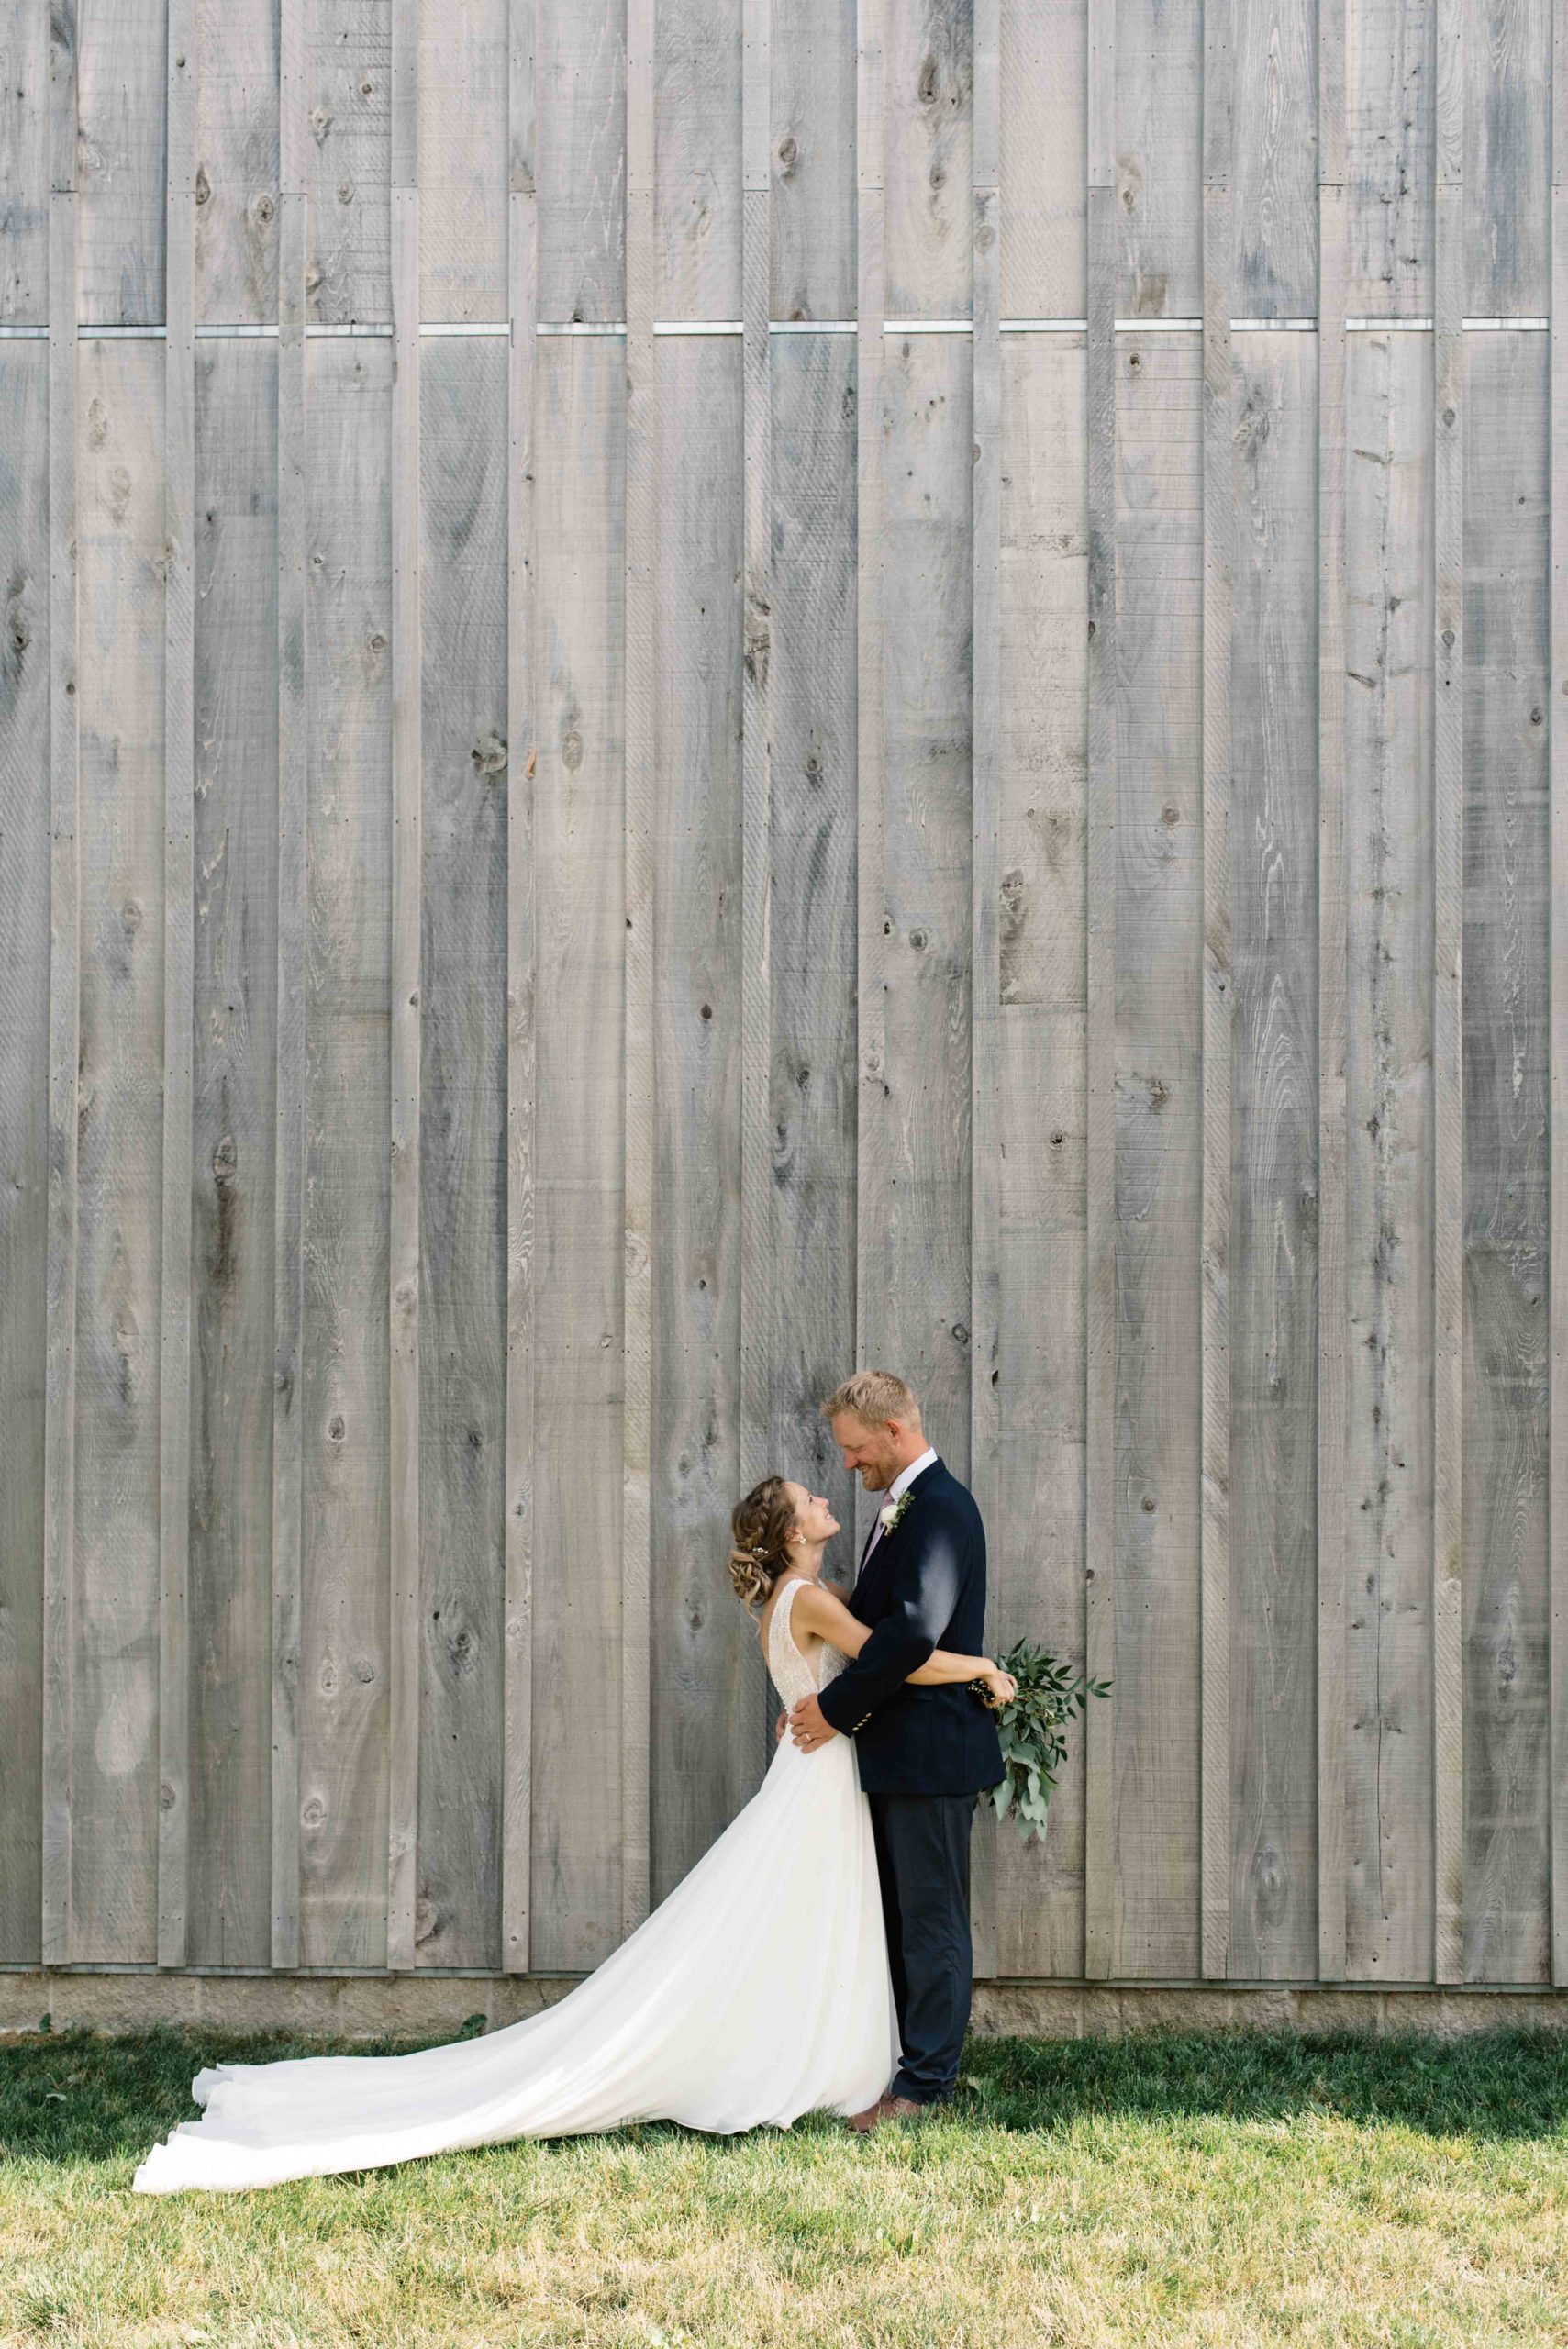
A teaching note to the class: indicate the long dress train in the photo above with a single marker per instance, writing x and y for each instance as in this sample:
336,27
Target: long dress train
759,1989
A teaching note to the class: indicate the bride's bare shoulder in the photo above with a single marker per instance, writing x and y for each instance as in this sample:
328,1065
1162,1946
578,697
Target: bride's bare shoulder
819,1609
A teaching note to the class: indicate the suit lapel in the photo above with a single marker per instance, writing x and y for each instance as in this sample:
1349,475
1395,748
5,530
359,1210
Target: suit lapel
862,1577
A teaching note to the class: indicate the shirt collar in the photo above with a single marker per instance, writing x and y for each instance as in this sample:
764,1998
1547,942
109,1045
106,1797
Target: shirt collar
908,1476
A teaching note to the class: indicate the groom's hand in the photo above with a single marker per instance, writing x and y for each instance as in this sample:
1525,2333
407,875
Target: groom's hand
808,1725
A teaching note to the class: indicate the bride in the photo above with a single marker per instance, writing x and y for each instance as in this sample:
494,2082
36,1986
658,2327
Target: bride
759,1990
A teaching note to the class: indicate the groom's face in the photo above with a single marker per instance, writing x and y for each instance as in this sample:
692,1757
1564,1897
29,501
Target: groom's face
870,1453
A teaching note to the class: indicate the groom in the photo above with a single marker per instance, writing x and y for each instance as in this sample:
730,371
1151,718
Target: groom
924,1753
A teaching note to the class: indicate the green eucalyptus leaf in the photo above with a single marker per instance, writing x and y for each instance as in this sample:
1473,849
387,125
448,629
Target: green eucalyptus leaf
1031,1731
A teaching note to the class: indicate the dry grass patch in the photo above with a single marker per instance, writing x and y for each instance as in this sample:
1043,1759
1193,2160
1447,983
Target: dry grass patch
1193,2192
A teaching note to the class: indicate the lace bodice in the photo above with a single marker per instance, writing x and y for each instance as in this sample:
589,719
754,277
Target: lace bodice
791,1674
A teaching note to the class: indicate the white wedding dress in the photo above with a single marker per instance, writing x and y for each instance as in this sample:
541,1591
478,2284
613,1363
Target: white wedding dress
757,1991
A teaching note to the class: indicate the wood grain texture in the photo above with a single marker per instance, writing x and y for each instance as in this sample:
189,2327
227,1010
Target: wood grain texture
226,1191
177,1185
913,1209
122,159
871,922
293,792
703,1648
699,59
1154,1058
346,97
25,1256
803,1329
1100,1858
461,105
582,909
813,160
582,99
1273,87
463,1100
1333,1431
1036,1540
406,1285
344,1626
1275,1235
640,750
1160,130
114,1747
522,1144
986,874
1387,152
928,157
1557,941
1506,1111
27,134
1219,557
1388,1694
64,1005
233,52
1449,616
1159,1018
757,1331
1504,131
1044,156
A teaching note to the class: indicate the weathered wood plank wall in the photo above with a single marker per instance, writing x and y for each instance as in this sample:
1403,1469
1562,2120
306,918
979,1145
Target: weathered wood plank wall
695,692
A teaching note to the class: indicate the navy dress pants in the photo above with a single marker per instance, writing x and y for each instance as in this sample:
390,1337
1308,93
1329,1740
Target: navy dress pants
922,1858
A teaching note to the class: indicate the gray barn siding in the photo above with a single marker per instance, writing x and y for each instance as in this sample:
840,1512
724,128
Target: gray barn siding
25,862
808,1313
1159,1102
234,1049
1035,1537
463,1185
335,1675
704,1743
112,1738
604,983
1273,1182
579,884
1386,1504
1504,1212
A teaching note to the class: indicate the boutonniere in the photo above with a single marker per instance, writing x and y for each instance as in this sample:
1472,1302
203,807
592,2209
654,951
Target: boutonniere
893,1512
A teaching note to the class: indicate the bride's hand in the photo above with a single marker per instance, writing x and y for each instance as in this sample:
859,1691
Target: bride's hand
1000,1687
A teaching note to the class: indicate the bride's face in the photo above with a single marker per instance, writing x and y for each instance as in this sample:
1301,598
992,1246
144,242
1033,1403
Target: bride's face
813,1517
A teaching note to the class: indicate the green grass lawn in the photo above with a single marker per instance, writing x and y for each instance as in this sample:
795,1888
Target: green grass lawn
1158,2188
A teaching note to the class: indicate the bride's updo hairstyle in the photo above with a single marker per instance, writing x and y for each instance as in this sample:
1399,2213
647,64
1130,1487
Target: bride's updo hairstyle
760,1526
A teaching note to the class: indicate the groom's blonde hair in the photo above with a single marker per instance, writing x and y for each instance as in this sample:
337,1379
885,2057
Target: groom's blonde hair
874,1395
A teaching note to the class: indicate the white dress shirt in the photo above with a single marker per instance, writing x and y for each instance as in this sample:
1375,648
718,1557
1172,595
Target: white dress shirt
905,1476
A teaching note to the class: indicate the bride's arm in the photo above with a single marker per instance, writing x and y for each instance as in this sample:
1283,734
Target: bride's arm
822,1610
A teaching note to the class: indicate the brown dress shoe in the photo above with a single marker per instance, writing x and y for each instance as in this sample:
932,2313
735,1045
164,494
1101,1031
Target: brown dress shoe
903,2107
863,2123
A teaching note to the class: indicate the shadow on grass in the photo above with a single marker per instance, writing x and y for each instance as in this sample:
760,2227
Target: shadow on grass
71,2096
1492,2084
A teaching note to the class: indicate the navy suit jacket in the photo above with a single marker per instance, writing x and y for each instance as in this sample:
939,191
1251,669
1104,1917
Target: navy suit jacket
924,1588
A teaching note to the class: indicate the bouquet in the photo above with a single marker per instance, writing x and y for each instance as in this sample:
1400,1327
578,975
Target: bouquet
1030,1726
